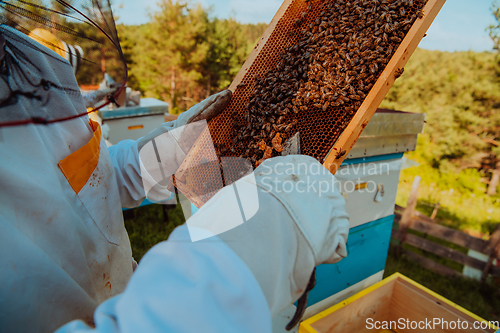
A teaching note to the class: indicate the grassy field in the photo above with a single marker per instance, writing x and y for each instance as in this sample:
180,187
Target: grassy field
461,195
148,228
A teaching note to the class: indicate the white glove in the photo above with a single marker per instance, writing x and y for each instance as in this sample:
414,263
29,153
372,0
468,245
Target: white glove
162,151
205,110
300,222
91,98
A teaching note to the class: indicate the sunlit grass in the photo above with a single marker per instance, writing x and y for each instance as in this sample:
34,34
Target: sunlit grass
149,228
461,195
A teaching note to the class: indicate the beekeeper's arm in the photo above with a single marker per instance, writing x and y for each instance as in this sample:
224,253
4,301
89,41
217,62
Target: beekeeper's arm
125,154
238,280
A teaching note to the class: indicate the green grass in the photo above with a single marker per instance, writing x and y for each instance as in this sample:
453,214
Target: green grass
480,299
440,260
461,195
148,227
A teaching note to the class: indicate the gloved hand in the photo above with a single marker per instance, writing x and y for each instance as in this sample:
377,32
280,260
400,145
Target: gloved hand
205,110
91,98
162,151
300,222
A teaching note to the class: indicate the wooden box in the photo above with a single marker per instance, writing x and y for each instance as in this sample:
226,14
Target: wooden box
402,305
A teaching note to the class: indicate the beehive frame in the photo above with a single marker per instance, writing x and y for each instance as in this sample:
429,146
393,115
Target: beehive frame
220,128
372,101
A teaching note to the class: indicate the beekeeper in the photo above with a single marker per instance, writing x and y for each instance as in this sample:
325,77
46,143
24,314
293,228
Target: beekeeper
66,258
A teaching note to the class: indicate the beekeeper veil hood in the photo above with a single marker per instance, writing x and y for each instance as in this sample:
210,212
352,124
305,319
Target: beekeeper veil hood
81,31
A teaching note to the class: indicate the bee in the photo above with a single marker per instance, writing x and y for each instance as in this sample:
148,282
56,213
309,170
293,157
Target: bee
289,127
325,106
420,14
241,85
340,153
399,72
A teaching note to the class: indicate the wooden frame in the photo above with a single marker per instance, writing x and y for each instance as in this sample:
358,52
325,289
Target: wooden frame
381,87
349,136
389,300
372,101
260,45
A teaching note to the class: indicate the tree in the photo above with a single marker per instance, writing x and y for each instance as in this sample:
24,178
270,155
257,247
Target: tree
183,55
494,31
459,93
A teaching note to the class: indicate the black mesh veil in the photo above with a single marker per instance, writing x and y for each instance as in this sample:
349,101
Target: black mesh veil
81,31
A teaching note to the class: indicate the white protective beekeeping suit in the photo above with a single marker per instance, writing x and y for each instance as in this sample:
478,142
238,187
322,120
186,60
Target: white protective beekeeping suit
65,250
63,244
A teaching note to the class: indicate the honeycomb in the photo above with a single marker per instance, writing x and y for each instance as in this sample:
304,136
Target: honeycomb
318,64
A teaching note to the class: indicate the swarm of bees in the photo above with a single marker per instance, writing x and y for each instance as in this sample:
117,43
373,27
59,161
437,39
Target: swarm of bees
335,62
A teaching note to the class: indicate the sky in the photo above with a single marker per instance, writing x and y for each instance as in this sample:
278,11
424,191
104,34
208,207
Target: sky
460,25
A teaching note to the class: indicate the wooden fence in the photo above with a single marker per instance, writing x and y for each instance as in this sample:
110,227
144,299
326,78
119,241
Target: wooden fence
408,218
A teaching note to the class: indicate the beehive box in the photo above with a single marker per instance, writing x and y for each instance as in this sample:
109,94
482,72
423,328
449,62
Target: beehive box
321,69
367,248
400,302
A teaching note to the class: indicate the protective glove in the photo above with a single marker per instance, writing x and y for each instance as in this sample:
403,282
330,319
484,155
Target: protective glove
205,110
298,222
162,151
91,98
